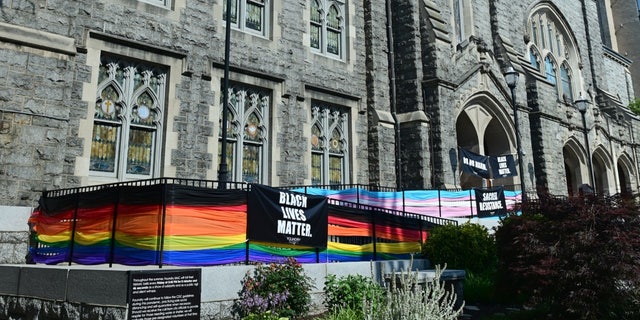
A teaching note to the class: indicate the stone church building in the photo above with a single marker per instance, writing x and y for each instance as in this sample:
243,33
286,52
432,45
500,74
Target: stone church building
320,92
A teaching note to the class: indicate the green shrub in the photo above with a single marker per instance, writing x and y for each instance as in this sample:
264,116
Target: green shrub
479,287
275,290
349,292
576,257
468,246
343,313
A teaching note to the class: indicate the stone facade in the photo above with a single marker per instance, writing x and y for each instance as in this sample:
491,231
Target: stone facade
415,79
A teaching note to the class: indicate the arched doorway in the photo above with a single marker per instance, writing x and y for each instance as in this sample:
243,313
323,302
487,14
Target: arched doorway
625,175
602,167
481,130
575,166
571,171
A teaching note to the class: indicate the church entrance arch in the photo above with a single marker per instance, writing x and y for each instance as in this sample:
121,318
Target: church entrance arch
483,128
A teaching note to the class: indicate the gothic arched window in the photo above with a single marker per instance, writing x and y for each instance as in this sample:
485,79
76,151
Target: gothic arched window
248,15
550,37
128,116
329,145
247,134
327,26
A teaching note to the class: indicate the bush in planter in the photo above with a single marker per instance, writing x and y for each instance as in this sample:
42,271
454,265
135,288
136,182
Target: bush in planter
468,246
577,257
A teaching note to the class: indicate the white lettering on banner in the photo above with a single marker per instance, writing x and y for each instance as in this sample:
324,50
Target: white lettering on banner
492,205
490,196
475,164
294,228
293,214
296,200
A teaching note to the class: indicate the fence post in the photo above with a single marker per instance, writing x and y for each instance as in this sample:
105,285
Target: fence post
375,241
162,222
404,204
470,203
439,204
246,252
73,226
113,227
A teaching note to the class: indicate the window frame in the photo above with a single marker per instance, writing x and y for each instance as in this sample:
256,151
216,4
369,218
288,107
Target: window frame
462,20
241,17
236,130
160,3
329,118
551,40
324,9
125,85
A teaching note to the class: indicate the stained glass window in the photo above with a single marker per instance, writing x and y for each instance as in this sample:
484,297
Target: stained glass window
247,128
316,25
550,69
248,15
533,58
565,77
326,27
556,46
329,145
128,113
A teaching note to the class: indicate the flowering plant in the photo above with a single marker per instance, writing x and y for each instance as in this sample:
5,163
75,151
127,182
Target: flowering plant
277,290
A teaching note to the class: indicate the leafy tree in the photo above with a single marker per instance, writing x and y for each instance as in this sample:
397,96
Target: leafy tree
634,106
579,258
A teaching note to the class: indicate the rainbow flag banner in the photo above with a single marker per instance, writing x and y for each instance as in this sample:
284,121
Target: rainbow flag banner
185,225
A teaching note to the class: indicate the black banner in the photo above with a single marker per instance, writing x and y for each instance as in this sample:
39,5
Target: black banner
280,216
155,295
473,163
490,202
503,166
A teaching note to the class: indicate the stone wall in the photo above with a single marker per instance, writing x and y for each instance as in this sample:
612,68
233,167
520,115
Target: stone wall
14,234
99,292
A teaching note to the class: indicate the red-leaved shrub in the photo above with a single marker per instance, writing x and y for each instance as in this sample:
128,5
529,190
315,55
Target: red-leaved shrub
578,258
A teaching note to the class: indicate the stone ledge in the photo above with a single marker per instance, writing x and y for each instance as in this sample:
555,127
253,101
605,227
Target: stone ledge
37,39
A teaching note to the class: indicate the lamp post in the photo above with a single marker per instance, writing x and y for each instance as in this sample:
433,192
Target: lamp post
582,105
223,171
511,76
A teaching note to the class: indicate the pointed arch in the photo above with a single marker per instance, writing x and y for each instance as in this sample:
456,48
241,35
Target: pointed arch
128,117
550,33
247,133
534,57
626,174
603,171
484,127
327,27
575,165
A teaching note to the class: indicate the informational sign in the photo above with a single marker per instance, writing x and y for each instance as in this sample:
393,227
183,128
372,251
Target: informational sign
503,166
157,295
473,163
281,216
490,202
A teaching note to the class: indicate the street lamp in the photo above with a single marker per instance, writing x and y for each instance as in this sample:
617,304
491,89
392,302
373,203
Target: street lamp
223,171
511,76
582,105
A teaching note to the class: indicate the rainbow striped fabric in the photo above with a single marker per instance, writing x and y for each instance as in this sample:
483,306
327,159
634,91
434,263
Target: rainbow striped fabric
169,224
